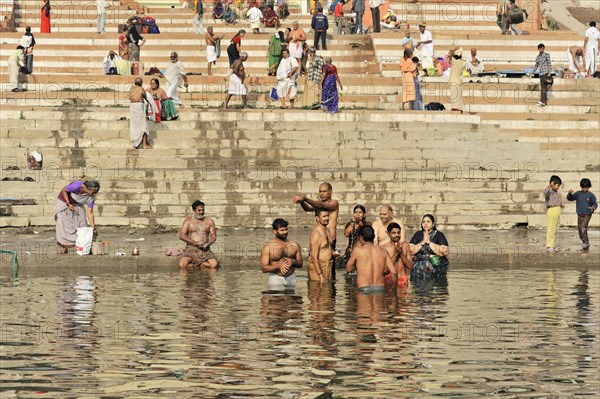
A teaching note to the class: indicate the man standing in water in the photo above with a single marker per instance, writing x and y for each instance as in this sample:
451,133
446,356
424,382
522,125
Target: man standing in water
371,264
386,216
320,263
326,203
199,233
280,257
399,252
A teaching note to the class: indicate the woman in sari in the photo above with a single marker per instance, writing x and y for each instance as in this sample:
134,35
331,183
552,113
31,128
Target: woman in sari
418,102
218,10
276,46
233,51
45,17
124,46
135,41
329,82
408,69
430,249
165,106
270,17
353,227
229,15
74,207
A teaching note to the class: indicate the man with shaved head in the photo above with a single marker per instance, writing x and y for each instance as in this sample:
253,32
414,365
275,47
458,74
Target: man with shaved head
386,216
325,202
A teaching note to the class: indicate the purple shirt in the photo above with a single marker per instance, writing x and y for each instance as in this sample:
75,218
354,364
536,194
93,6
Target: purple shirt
74,188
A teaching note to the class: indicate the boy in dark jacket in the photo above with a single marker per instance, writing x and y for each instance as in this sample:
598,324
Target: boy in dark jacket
585,202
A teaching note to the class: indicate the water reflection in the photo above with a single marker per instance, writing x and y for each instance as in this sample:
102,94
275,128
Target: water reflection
200,333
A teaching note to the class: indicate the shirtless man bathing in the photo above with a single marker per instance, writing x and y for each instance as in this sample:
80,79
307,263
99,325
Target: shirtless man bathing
371,263
325,202
399,252
320,263
199,233
281,257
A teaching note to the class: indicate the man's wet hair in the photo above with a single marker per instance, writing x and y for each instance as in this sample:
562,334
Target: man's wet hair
585,183
196,204
393,226
367,233
279,223
555,179
319,211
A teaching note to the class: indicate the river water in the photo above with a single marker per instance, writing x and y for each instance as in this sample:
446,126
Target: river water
163,333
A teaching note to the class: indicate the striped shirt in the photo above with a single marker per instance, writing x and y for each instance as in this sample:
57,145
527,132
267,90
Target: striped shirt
552,198
543,62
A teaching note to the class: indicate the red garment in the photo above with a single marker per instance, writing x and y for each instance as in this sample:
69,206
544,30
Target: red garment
329,70
45,22
338,11
237,40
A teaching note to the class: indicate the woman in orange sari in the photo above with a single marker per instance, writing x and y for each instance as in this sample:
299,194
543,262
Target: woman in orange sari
408,68
45,17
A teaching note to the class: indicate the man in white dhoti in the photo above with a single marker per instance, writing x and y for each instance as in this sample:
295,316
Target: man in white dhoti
138,124
175,74
236,81
15,61
255,17
211,49
575,57
287,73
590,49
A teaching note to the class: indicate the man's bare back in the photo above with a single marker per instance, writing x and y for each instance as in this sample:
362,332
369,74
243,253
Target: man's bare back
371,264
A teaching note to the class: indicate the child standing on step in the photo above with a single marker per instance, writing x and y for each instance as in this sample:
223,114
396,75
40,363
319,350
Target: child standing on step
585,203
553,205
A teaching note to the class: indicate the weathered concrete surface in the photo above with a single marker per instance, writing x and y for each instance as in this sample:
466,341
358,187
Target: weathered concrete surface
241,248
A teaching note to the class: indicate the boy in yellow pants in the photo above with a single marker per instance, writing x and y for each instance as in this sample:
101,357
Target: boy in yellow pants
554,205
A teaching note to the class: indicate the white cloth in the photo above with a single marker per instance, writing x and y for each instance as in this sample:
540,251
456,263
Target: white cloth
573,63
26,41
592,35
296,49
13,74
236,87
591,57
174,72
279,282
211,54
286,86
197,24
138,124
426,62
376,3
254,15
108,63
172,92
101,6
426,49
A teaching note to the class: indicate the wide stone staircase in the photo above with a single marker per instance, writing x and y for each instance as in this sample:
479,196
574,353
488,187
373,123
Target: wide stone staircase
485,168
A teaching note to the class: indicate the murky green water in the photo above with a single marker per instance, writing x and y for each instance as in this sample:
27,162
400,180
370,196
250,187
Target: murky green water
165,334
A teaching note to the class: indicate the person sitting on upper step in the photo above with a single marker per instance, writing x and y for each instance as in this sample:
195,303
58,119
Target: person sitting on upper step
474,66
218,10
109,63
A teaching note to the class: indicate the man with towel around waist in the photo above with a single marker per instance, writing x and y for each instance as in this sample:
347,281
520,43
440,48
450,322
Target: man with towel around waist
236,81
280,257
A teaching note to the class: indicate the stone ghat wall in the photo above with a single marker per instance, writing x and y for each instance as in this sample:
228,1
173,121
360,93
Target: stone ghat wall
247,166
